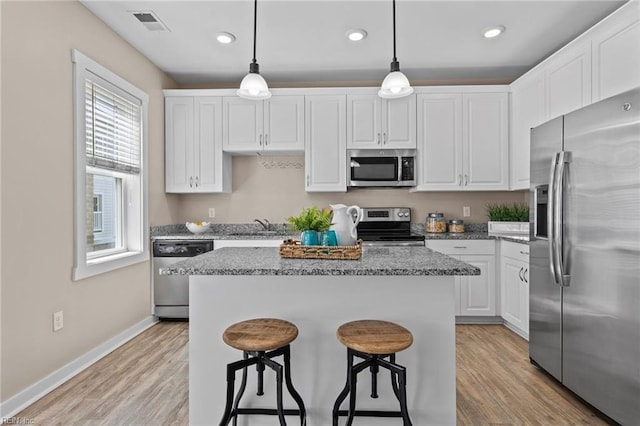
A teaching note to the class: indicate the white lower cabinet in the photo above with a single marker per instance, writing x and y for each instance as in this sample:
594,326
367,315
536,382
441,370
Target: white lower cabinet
476,294
514,286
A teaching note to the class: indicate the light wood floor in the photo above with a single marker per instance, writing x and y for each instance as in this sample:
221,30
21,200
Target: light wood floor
145,383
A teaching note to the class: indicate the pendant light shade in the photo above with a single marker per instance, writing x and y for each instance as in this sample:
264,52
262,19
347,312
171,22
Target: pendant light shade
253,86
395,84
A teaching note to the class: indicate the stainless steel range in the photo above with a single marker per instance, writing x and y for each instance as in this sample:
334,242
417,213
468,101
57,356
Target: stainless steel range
388,226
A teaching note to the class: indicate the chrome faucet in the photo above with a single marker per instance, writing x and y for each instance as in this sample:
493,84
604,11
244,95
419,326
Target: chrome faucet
265,224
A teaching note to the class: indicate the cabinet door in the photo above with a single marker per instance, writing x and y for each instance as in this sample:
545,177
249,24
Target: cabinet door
242,128
527,111
512,292
212,167
568,80
179,154
325,152
439,148
485,138
477,292
363,121
284,124
399,123
616,53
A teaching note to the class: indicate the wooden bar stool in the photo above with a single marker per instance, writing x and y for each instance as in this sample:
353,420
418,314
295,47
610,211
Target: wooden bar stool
373,341
260,340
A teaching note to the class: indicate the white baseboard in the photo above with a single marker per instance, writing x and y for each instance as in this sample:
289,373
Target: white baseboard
31,394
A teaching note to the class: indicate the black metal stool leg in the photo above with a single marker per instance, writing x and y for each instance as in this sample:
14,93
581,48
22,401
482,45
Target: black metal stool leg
260,370
394,377
279,373
353,379
292,391
345,390
243,385
403,397
231,377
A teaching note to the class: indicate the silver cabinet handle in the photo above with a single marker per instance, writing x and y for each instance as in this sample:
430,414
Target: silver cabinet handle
459,180
196,181
190,181
378,138
460,247
307,180
260,140
520,273
526,253
266,139
526,271
384,138
466,180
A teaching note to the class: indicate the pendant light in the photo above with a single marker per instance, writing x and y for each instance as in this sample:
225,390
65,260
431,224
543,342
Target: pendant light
253,86
395,84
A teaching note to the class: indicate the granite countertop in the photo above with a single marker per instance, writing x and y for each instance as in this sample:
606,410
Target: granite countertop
395,261
279,232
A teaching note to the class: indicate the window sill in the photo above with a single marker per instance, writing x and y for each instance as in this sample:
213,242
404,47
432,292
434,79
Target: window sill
108,263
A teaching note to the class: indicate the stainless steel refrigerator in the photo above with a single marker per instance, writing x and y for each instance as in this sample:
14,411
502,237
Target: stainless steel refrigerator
585,253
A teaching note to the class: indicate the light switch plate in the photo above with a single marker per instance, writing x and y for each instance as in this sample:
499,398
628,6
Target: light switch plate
212,212
466,211
58,321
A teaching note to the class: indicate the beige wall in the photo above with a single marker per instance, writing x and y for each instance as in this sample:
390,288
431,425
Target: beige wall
276,193
37,191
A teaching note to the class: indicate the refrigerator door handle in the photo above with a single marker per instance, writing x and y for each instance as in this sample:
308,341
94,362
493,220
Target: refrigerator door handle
562,159
551,228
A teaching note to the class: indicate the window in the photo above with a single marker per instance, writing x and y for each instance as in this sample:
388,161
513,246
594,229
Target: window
110,170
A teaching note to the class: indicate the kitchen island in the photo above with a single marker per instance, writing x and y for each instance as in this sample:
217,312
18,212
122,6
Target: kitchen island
412,286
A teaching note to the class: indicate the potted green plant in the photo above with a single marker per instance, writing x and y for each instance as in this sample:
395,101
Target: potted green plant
310,222
508,218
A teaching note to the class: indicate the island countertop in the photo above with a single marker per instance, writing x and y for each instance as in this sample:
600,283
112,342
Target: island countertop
374,261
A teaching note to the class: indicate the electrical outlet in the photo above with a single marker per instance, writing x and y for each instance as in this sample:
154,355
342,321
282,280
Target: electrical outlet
212,212
466,211
58,321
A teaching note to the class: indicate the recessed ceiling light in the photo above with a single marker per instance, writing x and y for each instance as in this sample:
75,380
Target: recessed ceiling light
356,35
225,38
494,31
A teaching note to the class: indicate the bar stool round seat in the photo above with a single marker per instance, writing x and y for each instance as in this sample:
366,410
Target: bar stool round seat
261,334
374,336
261,340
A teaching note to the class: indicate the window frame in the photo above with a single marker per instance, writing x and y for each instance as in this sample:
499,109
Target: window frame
135,190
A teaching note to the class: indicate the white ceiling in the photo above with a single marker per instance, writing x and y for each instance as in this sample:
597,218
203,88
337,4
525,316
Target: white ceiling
304,40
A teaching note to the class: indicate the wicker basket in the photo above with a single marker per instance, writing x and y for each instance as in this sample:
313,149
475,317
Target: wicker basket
292,249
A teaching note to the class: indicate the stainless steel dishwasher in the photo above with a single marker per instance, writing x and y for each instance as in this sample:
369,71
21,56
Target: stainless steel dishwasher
171,292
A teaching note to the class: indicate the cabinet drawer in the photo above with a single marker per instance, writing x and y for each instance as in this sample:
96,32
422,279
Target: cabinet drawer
515,251
462,247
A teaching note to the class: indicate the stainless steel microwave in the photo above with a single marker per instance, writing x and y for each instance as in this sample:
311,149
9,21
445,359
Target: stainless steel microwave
381,167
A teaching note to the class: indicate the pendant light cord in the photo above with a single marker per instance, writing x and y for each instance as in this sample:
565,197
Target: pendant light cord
394,32
255,26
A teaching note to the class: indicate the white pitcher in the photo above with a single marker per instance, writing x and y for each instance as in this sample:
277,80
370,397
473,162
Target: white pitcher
344,222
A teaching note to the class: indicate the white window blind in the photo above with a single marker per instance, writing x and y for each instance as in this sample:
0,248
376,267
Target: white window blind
113,129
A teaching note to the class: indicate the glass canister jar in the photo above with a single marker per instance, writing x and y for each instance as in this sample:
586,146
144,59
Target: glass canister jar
456,225
435,223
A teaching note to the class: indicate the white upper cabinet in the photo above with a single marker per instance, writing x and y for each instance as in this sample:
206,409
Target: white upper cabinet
440,142
568,79
616,53
600,63
462,141
194,161
276,124
373,122
527,111
325,151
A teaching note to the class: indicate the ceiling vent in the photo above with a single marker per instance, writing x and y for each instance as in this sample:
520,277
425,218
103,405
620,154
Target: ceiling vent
150,21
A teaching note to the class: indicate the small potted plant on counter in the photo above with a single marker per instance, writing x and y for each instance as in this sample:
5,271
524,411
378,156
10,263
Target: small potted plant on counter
310,222
508,219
